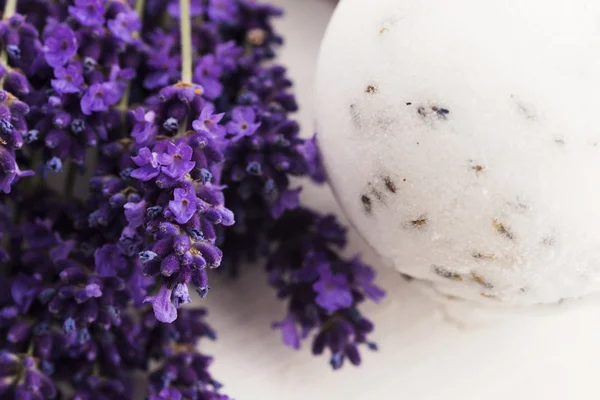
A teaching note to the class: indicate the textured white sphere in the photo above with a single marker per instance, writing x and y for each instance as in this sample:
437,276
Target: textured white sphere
462,139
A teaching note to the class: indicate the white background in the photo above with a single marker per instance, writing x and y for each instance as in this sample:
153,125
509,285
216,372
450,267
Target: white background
423,355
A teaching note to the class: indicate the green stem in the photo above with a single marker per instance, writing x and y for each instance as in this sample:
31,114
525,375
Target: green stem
186,41
139,9
124,103
9,10
185,21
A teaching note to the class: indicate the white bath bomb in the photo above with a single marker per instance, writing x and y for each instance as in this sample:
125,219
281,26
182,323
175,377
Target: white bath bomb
462,139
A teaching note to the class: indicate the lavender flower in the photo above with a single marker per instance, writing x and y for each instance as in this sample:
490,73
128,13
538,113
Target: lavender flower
60,44
69,79
99,97
93,289
88,12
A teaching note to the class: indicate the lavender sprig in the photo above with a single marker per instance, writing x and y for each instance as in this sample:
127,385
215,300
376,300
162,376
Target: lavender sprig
190,121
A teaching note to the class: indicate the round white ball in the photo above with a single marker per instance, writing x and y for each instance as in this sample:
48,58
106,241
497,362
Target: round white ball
462,139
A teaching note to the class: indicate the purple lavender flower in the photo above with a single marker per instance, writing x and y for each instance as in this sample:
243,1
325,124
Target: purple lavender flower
364,276
144,130
135,213
207,73
24,289
168,393
121,77
208,121
88,12
99,97
310,152
124,25
147,162
289,332
287,200
333,291
154,220
23,379
69,79
242,122
60,45
227,55
184,205
222,10
181,295
164,309
9,170
176,161
108,260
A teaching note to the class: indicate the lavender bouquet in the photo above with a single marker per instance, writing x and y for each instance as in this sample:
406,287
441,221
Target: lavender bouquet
176,117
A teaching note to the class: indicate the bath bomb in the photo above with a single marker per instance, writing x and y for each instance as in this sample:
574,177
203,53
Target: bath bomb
462,140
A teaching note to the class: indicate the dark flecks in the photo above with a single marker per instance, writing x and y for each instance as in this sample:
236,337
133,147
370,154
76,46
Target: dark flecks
367,203
440,112
483,256
355,115
419,223
371,89
502,230
407,278
559,141
478,168
487,295
481,280
519,206
524,110
389,184
548,241
377,195
409,103
444,273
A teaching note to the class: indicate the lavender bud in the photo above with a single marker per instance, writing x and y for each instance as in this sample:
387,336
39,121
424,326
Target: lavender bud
117,200
211,253
69,325
169,265
197,234
13,51
254,168
54,164
19,331
154,211
77,125
205,175
171,124
89,64
9,135
47,367
31,136
61,120
147,256
83,336
125,174
181,244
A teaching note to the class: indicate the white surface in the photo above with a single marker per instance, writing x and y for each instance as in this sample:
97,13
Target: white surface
422,355
503,187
